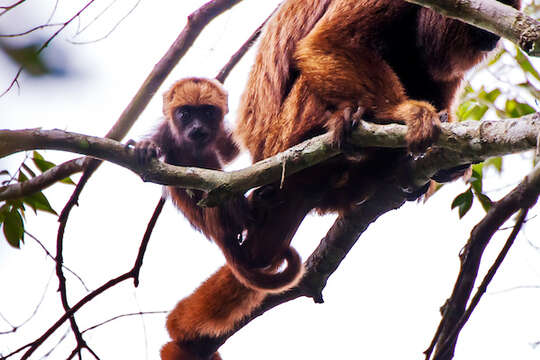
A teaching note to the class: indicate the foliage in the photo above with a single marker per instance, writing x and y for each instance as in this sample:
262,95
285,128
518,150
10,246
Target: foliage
510,99
12,211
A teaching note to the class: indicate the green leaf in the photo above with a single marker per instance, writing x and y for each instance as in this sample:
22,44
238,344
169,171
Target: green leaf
495,162
463,202
490,96
43,165
470,110
22,177
477,177
525,64
485,201
13,227
38,201
67,181
4,209
515,109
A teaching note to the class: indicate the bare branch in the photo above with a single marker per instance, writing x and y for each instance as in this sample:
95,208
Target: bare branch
30,30
494,17
32,346
459,143
448,346
146,239
111,30
224,72
46,43
123,316
52,257
523,196
7,8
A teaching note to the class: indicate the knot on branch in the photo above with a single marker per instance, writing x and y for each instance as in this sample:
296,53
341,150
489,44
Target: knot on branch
529,34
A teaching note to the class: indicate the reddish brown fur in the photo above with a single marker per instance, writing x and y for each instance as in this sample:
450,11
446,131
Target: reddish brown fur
175,140
396,61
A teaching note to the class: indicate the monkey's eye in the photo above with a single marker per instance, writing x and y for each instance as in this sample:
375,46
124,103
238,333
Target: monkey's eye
210,111
182,112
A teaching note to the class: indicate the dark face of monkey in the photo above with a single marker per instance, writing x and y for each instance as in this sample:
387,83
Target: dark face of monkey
198,125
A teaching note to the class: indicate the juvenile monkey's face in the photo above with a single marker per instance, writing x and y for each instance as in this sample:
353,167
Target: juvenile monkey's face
197,125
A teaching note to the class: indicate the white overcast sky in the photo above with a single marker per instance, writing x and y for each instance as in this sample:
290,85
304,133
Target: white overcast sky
382,303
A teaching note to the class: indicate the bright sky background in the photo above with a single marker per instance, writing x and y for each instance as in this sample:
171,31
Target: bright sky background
382,303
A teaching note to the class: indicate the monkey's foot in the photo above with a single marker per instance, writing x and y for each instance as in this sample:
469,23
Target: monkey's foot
423,124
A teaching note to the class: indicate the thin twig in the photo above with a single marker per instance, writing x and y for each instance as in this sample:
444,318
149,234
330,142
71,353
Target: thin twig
237,56
30,30
7,8
34,312
52,257
46,43
146,239
123,316
111,30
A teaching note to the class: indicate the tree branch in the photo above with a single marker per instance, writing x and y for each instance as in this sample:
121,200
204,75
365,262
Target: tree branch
43,181
459,143
494,17
523,196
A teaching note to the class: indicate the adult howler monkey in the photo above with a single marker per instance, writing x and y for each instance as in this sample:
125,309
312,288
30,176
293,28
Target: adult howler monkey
387,60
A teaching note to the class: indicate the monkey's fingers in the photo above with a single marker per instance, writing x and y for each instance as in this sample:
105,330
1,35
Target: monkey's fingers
146,150
343,122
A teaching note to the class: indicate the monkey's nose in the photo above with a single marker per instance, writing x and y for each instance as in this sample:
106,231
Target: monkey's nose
198,135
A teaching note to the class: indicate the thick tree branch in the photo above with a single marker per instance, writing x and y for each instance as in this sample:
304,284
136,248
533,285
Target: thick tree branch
492,16
323,261
459,143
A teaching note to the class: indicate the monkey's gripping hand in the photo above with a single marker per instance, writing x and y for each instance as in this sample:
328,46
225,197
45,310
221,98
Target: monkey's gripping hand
145,150
342,123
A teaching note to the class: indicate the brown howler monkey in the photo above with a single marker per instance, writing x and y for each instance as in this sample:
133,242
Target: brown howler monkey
193,134
384,60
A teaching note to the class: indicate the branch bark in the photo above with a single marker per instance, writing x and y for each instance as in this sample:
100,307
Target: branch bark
459,143
42,181
494,17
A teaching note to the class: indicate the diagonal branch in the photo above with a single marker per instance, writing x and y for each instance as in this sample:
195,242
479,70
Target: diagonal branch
523,196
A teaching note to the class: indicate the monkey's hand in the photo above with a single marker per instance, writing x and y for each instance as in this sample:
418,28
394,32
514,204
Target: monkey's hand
342,123
423,124
145,150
